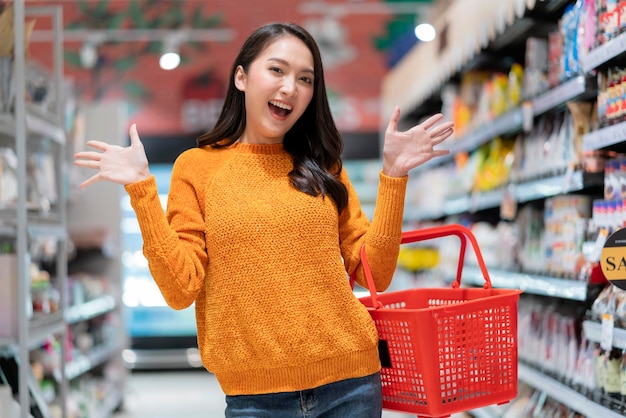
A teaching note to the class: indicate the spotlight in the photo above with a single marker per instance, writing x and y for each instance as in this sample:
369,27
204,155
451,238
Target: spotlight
170,58
88,55
425,32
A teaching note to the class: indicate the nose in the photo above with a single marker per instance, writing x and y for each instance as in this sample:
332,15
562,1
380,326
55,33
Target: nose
289,87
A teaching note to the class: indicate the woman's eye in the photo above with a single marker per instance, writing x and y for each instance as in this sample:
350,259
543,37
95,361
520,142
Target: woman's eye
276,69
307,80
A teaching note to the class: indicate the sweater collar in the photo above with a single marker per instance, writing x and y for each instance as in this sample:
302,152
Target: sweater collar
259,148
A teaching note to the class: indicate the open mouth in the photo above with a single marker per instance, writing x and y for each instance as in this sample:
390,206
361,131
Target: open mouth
280,109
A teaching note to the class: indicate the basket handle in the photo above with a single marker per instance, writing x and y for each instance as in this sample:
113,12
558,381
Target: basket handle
460,231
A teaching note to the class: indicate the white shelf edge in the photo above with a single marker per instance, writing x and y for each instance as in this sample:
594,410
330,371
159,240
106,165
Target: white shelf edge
85,363
112,402
486,412
6,342
44,326
604,53
91,309
564,394
36,123
593,332
523,192
559,95
604,137
505,123
57,231
529,283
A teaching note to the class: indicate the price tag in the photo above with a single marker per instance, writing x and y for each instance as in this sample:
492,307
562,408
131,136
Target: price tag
528,116
596,253
474,201
508,207
606,340
568,183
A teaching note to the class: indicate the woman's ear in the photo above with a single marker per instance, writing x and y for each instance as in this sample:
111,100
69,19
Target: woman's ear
240,78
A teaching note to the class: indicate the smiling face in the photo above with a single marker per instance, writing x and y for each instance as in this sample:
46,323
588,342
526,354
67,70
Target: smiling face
278,87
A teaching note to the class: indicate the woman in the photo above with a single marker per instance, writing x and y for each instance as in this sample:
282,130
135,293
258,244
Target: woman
262,225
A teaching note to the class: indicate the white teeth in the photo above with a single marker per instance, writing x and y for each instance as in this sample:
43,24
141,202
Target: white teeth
281,105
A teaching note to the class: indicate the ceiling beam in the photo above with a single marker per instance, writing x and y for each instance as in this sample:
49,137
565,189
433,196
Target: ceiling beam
136,35
364,8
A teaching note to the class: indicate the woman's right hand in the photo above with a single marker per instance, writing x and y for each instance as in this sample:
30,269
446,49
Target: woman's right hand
114,163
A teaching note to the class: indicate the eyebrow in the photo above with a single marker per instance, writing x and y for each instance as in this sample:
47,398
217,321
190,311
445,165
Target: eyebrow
285,62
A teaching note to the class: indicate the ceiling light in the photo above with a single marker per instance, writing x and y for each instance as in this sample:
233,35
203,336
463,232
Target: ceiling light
425,32
170,58
88,55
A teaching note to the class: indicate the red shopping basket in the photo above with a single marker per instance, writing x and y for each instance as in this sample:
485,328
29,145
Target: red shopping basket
445,350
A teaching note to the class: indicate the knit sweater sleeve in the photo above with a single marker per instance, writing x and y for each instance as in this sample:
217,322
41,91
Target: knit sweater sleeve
173,242
381,237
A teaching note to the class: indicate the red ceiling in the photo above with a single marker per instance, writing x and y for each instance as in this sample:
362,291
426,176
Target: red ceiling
355,84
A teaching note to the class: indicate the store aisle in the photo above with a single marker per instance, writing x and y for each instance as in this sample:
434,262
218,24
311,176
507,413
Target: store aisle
175,394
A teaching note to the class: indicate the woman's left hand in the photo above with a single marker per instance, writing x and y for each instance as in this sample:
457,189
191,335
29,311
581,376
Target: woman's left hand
403,151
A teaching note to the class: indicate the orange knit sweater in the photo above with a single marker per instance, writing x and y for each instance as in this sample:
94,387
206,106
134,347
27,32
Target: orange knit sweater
266,267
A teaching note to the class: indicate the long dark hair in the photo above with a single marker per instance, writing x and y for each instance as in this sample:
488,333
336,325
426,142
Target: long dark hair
313,142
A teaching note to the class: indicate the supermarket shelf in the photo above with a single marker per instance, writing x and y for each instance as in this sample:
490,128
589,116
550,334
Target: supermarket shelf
41,327
39,222
604,53
91,309
529,283
522,192
37,123
508,122
85,363
549,186
111,403
605,137
593,332
569,90
6,342
564,394
486,412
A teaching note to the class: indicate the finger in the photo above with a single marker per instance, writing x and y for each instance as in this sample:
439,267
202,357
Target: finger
442,136
87,164
93,179
393,120
88,155
437,130
134,136
431,121
99,145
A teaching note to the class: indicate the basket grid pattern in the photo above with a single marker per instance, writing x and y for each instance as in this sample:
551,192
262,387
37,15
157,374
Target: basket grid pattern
475,354
445,350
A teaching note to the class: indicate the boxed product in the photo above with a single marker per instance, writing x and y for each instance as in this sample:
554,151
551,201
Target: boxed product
8,295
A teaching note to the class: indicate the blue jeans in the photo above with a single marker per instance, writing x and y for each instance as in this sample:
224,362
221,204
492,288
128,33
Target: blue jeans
351,398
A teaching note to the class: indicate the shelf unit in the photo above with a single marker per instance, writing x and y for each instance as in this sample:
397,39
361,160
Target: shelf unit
581,87
593,332
28,125
564,394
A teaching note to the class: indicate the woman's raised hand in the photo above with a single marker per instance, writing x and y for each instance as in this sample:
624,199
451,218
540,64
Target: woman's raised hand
114,163
403,151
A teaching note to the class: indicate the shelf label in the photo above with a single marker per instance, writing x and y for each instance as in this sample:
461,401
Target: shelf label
559,95
604,53
604,137
528,116
608,326
508,208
